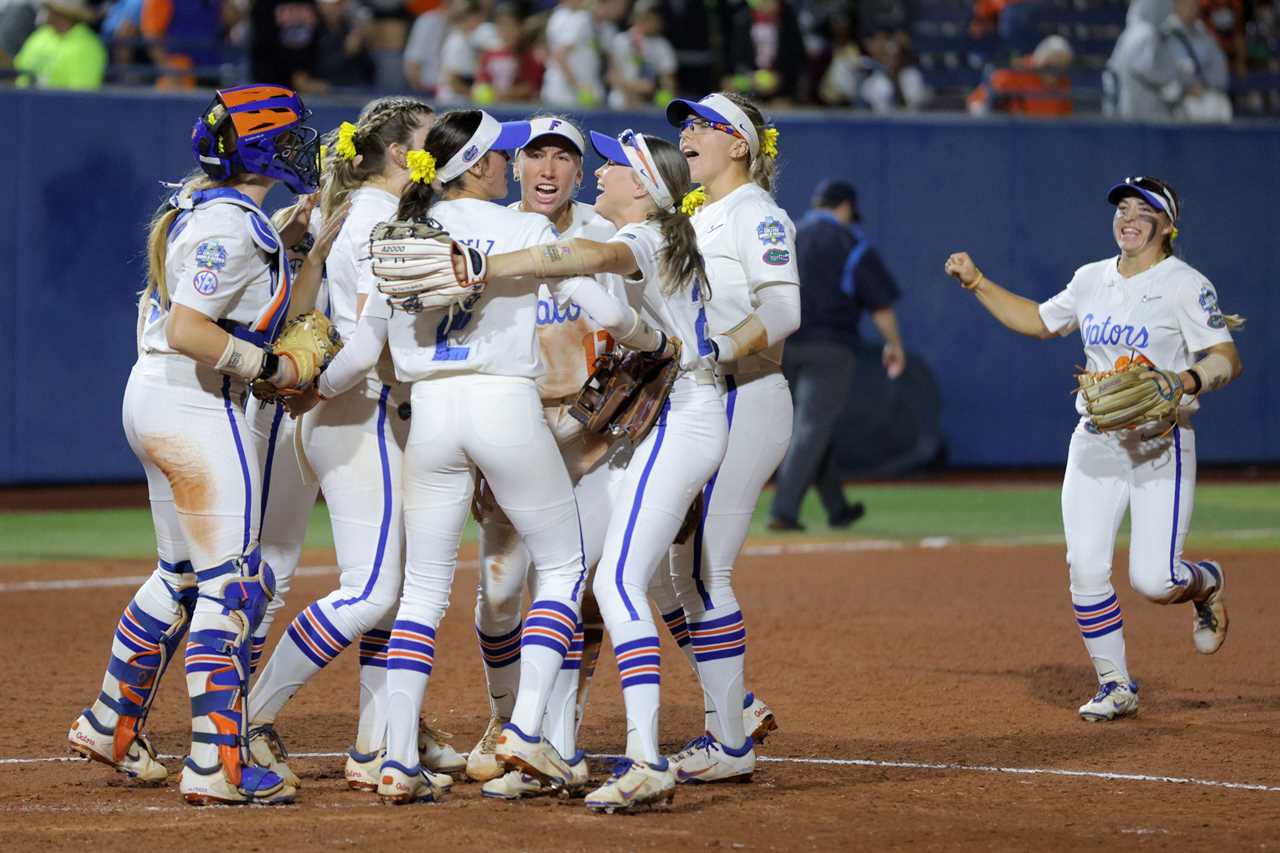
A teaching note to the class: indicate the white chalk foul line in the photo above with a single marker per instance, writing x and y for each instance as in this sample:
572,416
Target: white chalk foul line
758,550
868,762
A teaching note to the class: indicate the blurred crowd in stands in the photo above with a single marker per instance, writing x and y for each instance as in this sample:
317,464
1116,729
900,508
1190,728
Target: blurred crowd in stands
1146,59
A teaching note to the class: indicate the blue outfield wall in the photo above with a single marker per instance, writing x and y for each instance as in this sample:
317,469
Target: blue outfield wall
1025,198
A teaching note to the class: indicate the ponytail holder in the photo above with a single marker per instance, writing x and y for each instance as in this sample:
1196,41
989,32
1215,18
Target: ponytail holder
693,199
1173,235
422,166
769,144
346,145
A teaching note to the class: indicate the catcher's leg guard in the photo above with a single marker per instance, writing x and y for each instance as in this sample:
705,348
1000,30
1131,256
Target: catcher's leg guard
143,646
232,601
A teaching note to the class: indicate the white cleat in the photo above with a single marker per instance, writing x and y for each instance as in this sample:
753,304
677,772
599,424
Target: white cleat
258,786
482,766
1209,628
435,753
757,718
633,784
1113,700
516,785
534,756
137,760
268,750
704,759
399,785
364,772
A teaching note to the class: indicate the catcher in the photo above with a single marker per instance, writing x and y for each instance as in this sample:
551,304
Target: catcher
1156,340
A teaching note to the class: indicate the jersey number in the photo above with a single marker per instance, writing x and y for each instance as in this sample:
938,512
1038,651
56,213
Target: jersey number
456,323
700,325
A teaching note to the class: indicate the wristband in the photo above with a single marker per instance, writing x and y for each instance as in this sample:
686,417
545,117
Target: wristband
1195,377
976,282
241,359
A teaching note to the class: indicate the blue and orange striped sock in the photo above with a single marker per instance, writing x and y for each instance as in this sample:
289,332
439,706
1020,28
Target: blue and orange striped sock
544,644
411,653
635,643
1102,629
719,639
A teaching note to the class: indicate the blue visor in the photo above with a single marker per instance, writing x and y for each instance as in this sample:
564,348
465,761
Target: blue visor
513,135
680,109
609,148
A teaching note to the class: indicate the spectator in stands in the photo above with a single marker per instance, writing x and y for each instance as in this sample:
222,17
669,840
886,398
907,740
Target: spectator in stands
1262,38
422,52
841,275
765,54
508,72
1168,72
64,53
642,64
285,43
460,57
688,27
1015,22
893,82
574,74
1225,19
122,33
183,35
17,22
344,58
842,78
1035,85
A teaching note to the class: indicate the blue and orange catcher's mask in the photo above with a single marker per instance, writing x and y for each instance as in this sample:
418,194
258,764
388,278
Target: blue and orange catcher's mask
258,129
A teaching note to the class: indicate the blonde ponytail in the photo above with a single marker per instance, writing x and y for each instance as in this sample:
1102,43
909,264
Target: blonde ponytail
158,241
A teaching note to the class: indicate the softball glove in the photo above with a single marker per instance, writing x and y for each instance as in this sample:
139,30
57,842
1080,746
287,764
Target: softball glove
309,341
415,266
1129,396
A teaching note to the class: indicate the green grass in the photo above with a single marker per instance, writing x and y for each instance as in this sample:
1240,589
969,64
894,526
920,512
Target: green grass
1226,516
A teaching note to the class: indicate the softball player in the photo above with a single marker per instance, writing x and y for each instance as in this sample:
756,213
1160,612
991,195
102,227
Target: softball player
218,291
354,443
656,250
549,171
1146,304
748,243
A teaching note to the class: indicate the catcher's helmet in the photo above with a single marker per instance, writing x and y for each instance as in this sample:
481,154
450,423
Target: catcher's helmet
258,129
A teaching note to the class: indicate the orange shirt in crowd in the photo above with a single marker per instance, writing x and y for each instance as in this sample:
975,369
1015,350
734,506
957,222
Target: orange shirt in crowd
1024,91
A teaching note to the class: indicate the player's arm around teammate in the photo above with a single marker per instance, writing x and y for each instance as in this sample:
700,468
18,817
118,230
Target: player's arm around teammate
354,443
1149,305
218,292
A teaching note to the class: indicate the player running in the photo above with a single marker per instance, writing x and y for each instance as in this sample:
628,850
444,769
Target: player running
1143,304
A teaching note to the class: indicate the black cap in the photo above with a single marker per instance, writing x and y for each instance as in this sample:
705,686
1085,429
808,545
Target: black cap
833,192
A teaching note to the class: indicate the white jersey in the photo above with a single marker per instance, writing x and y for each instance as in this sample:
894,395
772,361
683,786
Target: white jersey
747,242
567,337
680,314
496,336
1163,315
221,259
350,266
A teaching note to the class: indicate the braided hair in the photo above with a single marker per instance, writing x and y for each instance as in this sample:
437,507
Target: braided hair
382,123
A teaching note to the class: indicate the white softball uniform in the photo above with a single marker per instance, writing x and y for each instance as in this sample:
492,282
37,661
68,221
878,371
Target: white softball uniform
748,244
475,404
666,471
354,444
568,344
1164,316
186,424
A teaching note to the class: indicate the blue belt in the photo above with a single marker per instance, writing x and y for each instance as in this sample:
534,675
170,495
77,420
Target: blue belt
244,333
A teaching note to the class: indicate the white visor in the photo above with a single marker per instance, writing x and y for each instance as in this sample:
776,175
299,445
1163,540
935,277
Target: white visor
630,148
545,126
491,134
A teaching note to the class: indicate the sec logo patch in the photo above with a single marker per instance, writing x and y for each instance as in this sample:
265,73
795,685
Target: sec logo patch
205,282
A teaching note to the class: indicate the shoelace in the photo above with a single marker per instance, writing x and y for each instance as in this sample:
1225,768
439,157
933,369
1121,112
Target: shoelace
1205,617
274,742
703,741
620,769
144,740
438,735
489,743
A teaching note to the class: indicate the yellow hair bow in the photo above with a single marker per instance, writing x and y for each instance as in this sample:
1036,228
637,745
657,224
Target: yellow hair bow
693,199
422,166
346,145
1173,235
769,145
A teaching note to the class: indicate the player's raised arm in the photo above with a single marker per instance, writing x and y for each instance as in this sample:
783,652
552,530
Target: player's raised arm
1014,312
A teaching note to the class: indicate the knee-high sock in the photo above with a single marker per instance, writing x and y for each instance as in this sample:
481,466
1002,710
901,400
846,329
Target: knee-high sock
410,657
371,729
501,654
1102,629
719,640
146,640
560,720
548,634
311,641
635,643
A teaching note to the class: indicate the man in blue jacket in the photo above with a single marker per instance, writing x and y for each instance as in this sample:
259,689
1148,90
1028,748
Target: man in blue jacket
841,275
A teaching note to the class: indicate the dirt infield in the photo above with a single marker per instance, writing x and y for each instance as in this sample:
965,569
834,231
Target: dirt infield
950,660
